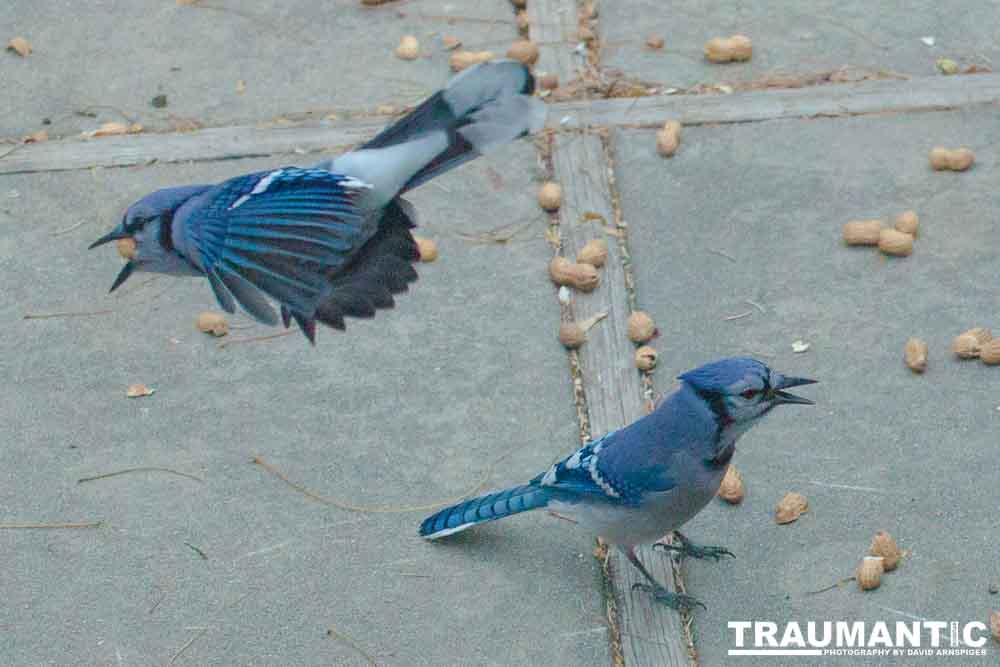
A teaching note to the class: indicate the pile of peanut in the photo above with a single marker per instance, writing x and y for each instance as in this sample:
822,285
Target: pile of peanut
896,240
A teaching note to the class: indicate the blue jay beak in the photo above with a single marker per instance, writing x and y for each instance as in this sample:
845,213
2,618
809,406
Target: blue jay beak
113,235
781,396
123,275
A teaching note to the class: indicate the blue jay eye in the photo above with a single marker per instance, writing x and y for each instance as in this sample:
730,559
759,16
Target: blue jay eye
749,393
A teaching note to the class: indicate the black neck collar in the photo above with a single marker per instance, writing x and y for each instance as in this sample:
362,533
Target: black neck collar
166,230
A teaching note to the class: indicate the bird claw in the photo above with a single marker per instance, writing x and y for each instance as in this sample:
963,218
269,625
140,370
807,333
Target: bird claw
677,601
687,548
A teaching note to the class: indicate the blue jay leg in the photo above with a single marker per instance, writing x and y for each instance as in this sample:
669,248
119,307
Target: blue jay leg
679,601
689,548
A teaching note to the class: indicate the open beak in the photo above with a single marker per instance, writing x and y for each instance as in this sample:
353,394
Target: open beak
123,275
113,235
781,396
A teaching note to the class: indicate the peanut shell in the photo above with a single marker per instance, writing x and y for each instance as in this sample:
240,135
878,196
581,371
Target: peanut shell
212,323
583,277
550,196
646,358
951,159
408,49
731,489
593,252
869,573
790,508
641,327
989,353
729,49
894,242
862,232
883,545
908,223
915,355
460,60
524,51
668,138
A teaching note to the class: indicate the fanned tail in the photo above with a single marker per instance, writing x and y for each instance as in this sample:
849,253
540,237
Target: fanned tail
482,509
484,106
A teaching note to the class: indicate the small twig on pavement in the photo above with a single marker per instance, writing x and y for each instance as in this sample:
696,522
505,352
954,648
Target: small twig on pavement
196,550
70,313
44,526
336,634
740,316
720,253
837,584
143,469
68,229
254,339
187,645
157,603
376,510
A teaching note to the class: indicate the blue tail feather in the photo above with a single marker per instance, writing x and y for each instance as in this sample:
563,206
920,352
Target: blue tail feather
490,507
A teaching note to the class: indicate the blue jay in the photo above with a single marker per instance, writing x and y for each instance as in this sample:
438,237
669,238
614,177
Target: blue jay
636,484
332,241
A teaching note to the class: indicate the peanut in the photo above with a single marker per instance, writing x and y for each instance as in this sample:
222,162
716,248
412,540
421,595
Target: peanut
668,138
869,573
583,277
524,51
954,159
862,232
550,196
989,353
894,242
968,344
408,49
908,223
460,60
645,358
915,355
594,252
729,49
641,327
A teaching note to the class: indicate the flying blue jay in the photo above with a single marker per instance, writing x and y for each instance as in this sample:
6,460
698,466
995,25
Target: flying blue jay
635,485
332,241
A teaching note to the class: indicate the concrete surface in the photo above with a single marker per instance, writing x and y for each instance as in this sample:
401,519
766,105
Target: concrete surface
110,58
883,448
412,407
796,37
416,405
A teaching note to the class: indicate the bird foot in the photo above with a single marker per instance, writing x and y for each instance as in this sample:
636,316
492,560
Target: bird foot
678,601
689,548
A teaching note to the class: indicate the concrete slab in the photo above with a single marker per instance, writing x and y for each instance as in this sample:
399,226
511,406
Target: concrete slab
407,409
799,37
883,448
111,58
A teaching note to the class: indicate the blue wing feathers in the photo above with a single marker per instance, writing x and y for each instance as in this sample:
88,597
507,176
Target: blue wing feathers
587,473
278,232
248,296
222,294
297,236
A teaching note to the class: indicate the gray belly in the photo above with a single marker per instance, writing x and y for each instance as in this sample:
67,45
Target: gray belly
659,513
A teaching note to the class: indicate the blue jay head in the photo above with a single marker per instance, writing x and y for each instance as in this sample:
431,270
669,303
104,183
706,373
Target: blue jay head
148,223
741,390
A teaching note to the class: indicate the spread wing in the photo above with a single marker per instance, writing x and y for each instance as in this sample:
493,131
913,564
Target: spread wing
279,233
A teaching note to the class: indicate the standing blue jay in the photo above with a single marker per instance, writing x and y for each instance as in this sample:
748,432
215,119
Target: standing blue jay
637,484
332,241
